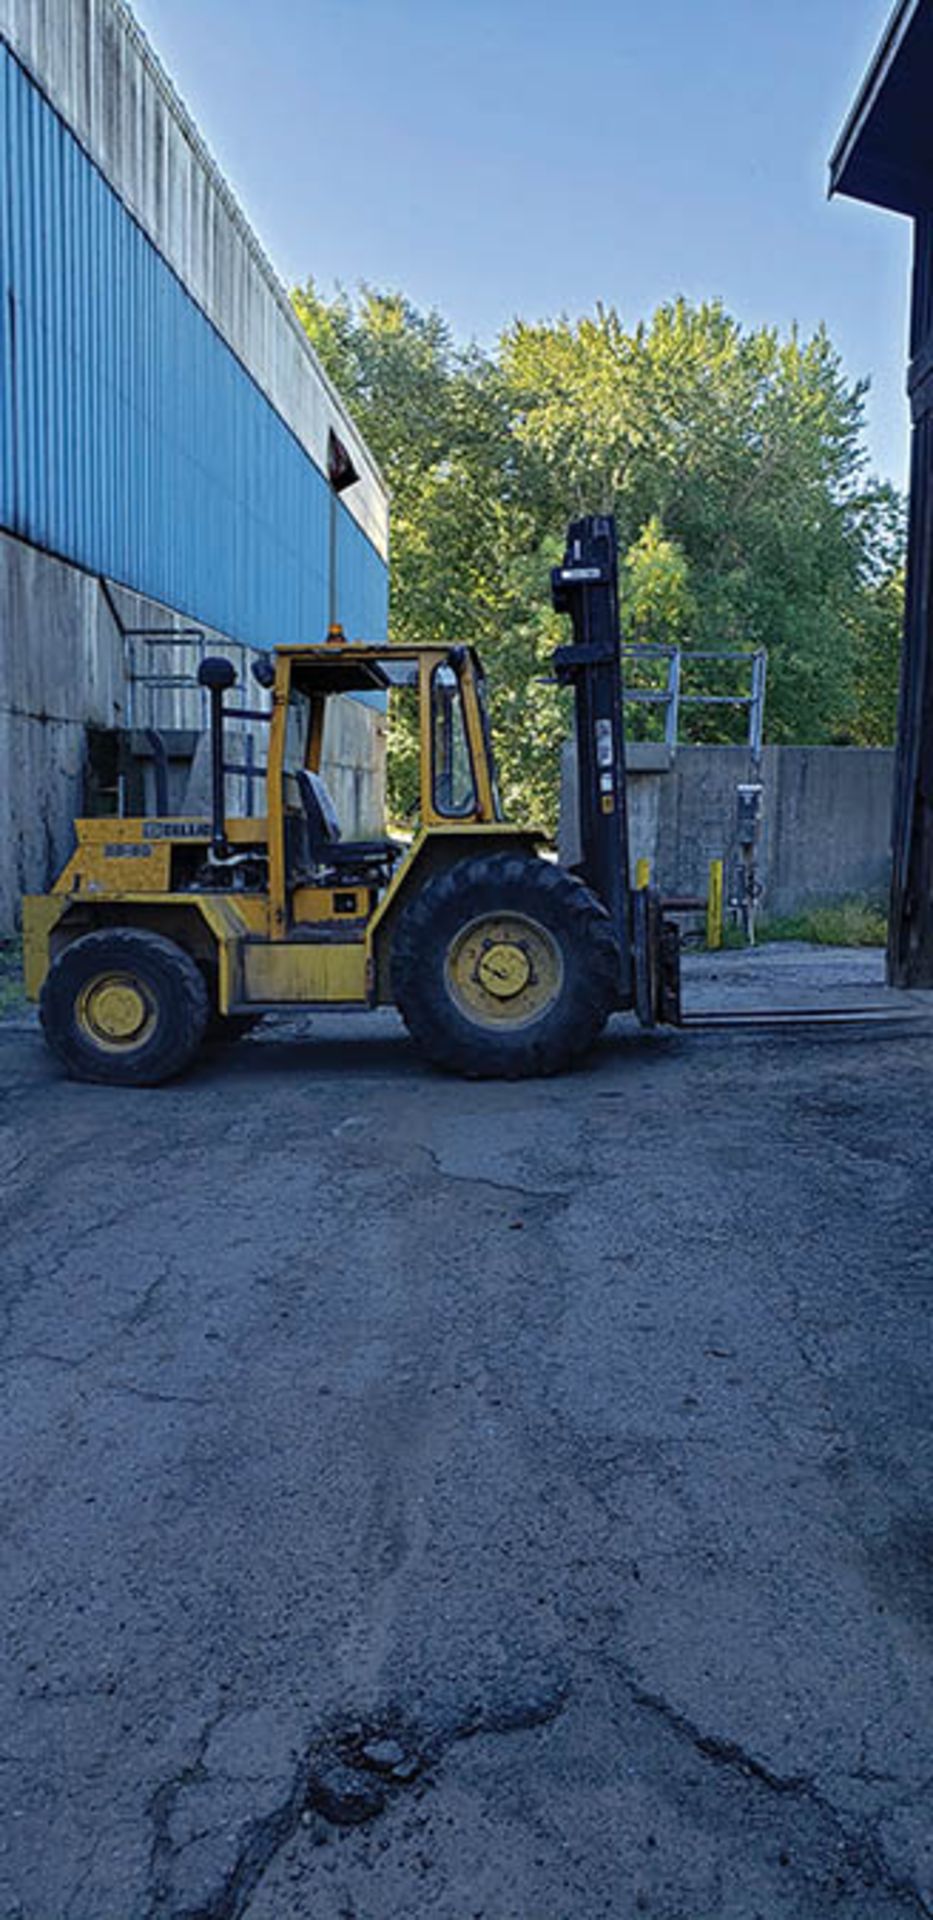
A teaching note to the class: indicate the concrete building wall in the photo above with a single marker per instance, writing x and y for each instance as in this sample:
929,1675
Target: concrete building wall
354,766
50,693
826,819
72,679
164,424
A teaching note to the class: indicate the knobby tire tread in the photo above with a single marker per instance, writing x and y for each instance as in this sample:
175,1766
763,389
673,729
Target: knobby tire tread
505,883
175,1041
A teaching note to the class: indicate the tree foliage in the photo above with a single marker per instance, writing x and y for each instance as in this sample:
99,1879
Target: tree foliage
877,651
655,597
733,460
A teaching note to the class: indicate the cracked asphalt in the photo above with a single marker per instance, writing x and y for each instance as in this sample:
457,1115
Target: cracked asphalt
434,1501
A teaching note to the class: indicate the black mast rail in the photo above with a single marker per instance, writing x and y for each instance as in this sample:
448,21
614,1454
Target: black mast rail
586,587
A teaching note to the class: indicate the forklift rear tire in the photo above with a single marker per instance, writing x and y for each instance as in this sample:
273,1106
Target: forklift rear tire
125,1007
504,966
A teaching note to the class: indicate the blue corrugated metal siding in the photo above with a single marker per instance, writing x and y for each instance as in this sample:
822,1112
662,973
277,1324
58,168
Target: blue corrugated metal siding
132,440
362,590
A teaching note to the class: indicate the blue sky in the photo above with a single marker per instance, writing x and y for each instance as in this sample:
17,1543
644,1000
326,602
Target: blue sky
498,157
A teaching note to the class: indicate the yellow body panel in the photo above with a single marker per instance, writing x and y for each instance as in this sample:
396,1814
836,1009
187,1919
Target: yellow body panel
316,904
294,972
229,920
114,857
41,912
114,864
435,843
156,829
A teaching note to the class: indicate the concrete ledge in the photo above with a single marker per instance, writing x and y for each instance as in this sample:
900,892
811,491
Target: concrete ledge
179,743
648,756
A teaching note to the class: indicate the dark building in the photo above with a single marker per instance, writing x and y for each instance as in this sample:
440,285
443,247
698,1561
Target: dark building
885,156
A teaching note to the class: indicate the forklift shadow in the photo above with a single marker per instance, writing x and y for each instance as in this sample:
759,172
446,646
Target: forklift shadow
340,1046
309,1049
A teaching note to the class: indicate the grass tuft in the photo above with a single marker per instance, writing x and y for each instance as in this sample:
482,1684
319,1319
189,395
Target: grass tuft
837,923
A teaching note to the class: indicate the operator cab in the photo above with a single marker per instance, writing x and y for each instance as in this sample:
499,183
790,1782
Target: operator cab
435,699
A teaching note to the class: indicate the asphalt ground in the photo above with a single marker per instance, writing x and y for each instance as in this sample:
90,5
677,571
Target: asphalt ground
426,1500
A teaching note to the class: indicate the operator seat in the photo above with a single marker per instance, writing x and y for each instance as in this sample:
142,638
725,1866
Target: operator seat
367,860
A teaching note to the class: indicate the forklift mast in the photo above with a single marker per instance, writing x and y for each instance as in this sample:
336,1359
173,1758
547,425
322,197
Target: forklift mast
586,586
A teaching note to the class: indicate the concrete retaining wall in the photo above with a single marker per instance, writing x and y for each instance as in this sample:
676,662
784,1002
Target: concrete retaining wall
825,829
71,679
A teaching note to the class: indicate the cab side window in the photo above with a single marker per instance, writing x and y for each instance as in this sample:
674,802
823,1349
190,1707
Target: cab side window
454,783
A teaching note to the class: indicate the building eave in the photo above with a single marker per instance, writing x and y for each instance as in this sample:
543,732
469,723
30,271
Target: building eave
883,154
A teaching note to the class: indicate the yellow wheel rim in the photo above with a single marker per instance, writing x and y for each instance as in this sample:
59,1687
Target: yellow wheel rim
504,970
116,1011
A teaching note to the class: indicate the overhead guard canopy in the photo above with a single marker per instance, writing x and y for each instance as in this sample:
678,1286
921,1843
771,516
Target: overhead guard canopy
885,152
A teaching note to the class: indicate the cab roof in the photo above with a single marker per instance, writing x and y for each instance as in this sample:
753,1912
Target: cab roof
350,666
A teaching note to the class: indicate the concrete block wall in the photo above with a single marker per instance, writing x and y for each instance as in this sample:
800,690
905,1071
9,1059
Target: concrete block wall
825,825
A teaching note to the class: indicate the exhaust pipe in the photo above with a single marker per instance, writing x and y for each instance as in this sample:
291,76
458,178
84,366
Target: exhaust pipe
217,675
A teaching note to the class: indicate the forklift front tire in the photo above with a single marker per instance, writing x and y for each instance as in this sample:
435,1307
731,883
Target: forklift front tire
504,966
125,1007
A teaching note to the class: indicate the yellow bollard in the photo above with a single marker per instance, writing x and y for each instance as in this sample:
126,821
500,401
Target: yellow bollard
642,874
714,905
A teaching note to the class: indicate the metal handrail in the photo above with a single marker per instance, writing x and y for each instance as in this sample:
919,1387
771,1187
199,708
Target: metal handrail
672,696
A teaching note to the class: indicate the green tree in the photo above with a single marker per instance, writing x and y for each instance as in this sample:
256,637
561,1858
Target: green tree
655,600
748,449
878,644
733,461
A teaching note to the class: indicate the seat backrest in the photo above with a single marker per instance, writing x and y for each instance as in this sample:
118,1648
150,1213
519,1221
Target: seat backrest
320,812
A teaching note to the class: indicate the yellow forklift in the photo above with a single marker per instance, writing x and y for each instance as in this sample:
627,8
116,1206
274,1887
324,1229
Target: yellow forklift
161,932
